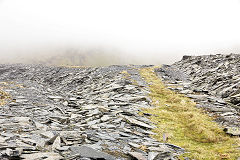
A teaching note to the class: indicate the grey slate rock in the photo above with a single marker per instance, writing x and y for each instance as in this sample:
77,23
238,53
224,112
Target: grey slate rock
137,155
88,152
212,81
234,131
61,107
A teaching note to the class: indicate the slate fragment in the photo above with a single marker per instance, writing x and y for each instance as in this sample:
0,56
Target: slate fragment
88,152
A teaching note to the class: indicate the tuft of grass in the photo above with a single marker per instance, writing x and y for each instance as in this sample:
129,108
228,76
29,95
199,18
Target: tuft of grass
126,74
185,125
3,97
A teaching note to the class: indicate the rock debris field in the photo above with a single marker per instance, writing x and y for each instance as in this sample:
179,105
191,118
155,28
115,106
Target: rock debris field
55,113
77,113
213,82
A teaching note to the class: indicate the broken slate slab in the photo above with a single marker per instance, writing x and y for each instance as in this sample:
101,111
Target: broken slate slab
13,153
55,97
234,131
42,155
56,143
88,152
139,123
152,155
21,119
137,155
105,118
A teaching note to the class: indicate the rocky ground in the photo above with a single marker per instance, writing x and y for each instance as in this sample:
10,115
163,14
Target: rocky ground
77,113
213,81
57,113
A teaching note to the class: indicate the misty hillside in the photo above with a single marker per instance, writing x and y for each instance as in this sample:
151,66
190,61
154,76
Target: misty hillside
78,57
75,58
72,57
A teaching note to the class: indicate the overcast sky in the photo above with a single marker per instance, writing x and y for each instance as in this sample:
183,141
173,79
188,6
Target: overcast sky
164,29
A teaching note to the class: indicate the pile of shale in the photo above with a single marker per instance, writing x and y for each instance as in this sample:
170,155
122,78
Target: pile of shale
77,113
92,113
213,81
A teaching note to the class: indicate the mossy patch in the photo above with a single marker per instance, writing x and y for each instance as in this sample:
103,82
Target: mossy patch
3,97
179,122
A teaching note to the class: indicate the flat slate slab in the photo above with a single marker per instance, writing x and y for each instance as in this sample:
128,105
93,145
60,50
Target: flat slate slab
88,152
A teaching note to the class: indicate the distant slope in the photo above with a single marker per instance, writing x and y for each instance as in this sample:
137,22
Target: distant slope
72,57
77,56
79,59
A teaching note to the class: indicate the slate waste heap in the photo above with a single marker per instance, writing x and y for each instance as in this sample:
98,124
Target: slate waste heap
213,81
89,113
92,113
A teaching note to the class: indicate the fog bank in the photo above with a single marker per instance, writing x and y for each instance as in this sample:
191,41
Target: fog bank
121,32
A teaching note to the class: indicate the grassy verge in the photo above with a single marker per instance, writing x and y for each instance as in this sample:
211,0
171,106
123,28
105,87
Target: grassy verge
181,123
